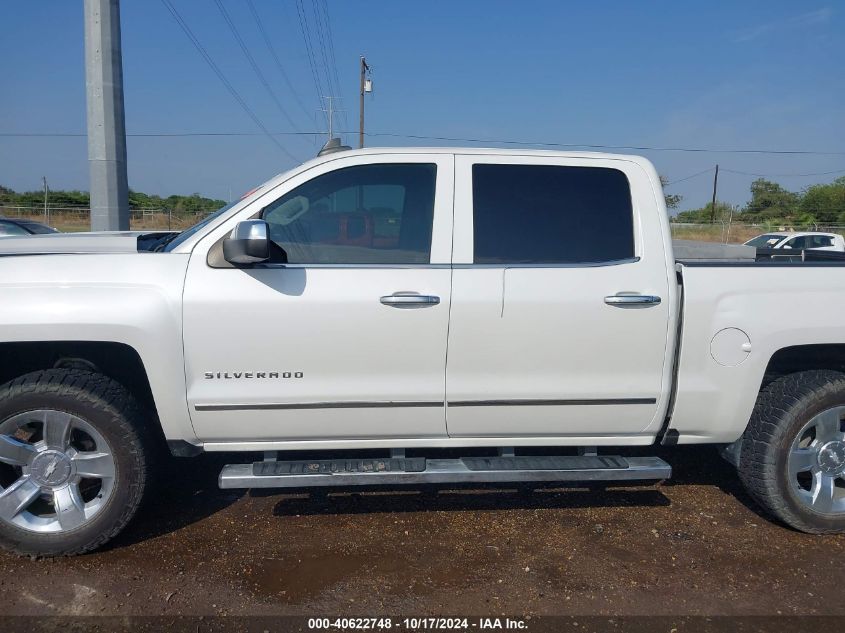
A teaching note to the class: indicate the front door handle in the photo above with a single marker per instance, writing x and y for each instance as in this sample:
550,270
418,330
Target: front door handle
632,300
409,300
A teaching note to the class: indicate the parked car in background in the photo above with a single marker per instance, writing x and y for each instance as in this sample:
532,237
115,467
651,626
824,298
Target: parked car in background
801,241
9,226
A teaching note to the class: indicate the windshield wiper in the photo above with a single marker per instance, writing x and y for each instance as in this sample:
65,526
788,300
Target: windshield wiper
164,241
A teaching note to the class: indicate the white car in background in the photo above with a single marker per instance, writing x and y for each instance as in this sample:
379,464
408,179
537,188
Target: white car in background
800,241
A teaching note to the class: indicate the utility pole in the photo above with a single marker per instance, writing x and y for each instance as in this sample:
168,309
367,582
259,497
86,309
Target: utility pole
713,206
330,112
366,86
106,122
46,213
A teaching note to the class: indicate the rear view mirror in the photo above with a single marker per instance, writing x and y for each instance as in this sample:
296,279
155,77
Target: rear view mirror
248,243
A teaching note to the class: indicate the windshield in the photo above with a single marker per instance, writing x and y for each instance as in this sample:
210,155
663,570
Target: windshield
184,235
38,229
765,241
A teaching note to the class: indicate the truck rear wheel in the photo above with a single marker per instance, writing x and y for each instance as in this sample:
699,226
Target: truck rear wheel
73,461
792,458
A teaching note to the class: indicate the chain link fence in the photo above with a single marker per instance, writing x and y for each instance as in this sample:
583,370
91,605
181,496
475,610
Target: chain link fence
740,232
73,219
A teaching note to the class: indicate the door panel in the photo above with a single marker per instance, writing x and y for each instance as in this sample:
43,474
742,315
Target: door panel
311,351
329,327
550,337
534,349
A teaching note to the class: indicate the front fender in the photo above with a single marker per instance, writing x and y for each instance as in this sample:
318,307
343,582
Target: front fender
132,299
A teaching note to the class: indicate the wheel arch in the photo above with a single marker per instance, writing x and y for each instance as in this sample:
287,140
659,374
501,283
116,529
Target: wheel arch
787,360
796,358
119,361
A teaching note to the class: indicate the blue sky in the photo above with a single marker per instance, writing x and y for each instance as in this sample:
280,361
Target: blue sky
660,74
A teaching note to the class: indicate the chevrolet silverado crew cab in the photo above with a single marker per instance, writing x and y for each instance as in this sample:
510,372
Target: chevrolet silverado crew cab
412,316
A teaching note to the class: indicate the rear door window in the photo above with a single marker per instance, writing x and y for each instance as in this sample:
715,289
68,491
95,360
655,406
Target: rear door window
549,214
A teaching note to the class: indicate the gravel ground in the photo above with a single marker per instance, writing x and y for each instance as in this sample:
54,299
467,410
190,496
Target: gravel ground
694,546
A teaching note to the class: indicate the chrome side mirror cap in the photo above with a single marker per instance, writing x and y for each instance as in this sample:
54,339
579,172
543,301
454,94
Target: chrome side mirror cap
248,243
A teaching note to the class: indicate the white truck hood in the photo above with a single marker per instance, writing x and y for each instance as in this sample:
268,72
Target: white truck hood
65,243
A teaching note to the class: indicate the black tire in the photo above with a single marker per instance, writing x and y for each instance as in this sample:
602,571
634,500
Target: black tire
783,408
115,414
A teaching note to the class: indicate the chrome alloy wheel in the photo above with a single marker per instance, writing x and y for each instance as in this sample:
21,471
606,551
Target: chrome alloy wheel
817,463
56,471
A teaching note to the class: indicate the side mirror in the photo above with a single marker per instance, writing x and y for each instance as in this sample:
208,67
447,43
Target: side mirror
248,243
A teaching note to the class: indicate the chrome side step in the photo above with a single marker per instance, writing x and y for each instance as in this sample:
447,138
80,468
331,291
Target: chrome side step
419,470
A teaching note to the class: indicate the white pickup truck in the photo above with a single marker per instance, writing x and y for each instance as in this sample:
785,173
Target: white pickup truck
376,307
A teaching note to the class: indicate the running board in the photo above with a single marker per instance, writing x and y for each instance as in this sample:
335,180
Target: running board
420,470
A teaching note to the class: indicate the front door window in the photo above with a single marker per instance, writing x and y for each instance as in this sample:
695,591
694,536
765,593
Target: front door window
366,214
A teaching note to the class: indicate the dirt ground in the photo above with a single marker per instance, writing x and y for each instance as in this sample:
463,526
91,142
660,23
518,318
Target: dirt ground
693,546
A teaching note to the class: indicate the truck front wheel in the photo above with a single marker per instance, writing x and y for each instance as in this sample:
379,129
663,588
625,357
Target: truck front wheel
73,461
792,457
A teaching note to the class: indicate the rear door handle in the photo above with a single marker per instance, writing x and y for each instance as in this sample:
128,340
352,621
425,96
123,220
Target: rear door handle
632,300
409,300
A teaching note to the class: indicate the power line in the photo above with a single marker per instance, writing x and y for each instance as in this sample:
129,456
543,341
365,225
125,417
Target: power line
190,35
332,54
306,36
157,134
252,63
818,173
674,182
328,20
747,173
275,57
318,20
590,146
476,140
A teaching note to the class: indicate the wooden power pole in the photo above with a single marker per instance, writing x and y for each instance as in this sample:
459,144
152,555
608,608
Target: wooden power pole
713,206
364,70
46,218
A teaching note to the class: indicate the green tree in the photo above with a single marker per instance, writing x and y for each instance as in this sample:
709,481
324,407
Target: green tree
195,203
825,204
704,214
673,200
770,202
138,200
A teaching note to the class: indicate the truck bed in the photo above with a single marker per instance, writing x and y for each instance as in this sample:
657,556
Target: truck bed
694,253
733,322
